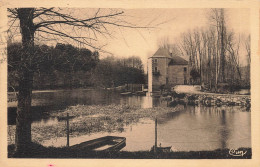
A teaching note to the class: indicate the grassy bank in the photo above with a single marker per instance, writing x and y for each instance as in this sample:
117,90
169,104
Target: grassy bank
91,119
38,151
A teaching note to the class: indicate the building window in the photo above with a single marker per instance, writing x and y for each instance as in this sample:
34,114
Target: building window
155,60
185,69
155,69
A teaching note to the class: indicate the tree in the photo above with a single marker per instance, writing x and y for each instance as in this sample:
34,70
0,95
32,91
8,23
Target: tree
214,51
219,20
248,51
55,64
233,50
71,60
194,75
112,71
50,21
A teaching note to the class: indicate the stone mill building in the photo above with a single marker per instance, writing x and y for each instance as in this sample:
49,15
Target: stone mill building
166,70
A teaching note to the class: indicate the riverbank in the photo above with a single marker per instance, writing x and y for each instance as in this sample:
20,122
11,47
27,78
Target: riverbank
85,120
192,95
38,151
212,99
12,96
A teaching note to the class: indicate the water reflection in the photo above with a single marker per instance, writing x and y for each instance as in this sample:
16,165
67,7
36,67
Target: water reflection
206,128
147,102
224,132
191,128
45,102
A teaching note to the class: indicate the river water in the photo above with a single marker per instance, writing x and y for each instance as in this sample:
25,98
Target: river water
192,128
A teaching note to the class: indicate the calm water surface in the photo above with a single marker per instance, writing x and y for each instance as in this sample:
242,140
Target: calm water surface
192,128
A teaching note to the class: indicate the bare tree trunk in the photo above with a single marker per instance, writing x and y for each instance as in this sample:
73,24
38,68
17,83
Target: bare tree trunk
23,120
222,26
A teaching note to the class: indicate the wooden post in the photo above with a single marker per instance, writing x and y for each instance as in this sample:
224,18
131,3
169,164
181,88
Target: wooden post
155,144
68,140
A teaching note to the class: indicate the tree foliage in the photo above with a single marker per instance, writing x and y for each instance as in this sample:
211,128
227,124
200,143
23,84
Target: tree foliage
63,62
111,72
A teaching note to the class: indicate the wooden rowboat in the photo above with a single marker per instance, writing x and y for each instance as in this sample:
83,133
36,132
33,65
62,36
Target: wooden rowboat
103,144
162,149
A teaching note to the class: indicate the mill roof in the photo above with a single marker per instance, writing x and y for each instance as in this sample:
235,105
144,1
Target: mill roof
177,60
174,59
162,52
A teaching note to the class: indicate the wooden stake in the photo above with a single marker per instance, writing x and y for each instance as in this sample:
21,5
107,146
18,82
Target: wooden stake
155,144
68,140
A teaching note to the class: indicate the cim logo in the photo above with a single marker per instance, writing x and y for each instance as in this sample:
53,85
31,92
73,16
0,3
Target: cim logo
237,153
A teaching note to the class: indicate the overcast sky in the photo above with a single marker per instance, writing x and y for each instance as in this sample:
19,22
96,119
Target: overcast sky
144,42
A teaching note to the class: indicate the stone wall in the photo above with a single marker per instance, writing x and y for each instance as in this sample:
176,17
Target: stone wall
162,67
177,75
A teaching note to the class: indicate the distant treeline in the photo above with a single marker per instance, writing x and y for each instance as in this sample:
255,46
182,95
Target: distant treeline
112,72
65,66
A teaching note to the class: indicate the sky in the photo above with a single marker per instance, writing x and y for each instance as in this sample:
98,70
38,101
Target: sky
174,22
163,23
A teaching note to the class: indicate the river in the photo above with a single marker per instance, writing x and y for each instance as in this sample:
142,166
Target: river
194,128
